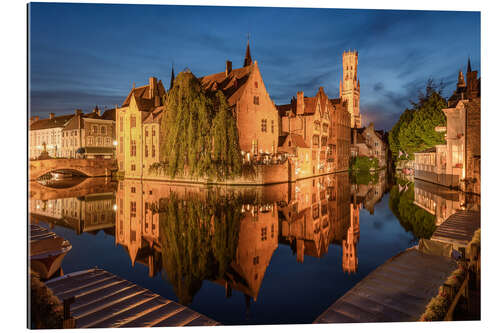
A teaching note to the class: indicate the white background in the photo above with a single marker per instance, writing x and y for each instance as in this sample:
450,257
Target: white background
13,161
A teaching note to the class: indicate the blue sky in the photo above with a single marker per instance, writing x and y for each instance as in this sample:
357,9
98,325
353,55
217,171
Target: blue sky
87,54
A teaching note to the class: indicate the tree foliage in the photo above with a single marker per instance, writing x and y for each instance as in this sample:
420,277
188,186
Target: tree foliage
199,136
415,129
364,163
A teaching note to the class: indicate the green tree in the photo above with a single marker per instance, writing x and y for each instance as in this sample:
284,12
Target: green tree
226,153
198,132
415,129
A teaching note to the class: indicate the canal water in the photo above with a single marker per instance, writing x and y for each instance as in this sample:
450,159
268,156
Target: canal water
277,254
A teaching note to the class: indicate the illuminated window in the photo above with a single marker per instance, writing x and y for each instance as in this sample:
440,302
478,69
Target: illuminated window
263,234
133,148
133,207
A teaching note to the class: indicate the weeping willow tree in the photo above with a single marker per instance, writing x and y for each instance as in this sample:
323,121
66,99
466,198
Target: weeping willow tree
199,136
199,239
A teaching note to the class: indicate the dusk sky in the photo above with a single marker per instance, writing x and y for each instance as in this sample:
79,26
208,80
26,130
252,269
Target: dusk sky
82,55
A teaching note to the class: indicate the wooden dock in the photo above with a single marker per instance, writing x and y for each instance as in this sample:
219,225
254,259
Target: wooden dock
396,291
104,300
458,229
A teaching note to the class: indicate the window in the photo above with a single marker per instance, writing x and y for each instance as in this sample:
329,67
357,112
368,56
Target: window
132,167
272,126
99,141
146,150
133,207
146,132
263,125
263,234
315,140
154,132
323,141
103,130
133,148
256,260
256,100
94,129
256,84
132,189
121,206
108,141
132,122
121,165
121,123
153,151
121,145
325,128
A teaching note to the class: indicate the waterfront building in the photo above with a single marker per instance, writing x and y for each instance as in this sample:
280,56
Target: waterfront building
89,135
350,243
139,104
349,88
256,114
46,135
458,162
314,134
371,143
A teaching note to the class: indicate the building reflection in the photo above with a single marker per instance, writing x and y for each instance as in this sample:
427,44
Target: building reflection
440,201
91,212
229,235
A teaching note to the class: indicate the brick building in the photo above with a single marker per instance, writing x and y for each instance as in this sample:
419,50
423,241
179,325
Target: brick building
314,133
349,89
256,115
370,143
458,162
89,135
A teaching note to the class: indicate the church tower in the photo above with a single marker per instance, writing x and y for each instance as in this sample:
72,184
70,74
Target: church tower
349,86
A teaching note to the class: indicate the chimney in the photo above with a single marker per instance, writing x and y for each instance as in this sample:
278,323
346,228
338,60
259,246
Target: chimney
51,115
152,87
33,119
78,111
229,67
300,102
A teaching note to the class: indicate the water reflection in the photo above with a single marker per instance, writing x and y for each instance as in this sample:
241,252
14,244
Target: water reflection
188,234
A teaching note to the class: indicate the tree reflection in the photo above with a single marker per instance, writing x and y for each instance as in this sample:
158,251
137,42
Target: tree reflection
413,218
199,237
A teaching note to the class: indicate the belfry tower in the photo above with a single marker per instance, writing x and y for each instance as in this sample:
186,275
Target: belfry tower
349,86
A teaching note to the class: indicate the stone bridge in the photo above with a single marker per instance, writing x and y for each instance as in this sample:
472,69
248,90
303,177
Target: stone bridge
87,167
88,186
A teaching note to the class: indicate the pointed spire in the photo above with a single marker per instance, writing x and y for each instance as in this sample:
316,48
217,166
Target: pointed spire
468,66
248,57
172,77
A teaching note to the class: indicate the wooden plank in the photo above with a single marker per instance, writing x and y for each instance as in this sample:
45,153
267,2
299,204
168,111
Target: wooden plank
398,290
105,300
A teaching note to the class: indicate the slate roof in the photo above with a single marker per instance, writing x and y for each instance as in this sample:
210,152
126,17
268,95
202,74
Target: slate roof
154,116
142,96
231,85
55,122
